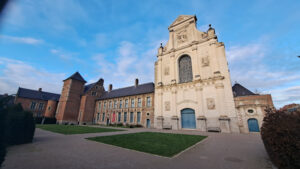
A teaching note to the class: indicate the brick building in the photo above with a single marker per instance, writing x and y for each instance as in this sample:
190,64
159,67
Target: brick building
129,105
37,101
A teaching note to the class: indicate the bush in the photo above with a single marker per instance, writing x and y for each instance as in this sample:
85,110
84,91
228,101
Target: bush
280,134
20,126
2,136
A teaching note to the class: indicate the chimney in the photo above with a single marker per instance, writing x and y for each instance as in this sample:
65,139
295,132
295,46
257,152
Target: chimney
110,87
40,89
136,82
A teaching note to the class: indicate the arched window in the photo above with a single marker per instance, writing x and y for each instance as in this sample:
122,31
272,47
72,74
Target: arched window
185,69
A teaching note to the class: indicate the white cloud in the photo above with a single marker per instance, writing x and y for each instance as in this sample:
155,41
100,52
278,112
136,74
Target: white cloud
25,40
17,73
247,67
65,55
130,63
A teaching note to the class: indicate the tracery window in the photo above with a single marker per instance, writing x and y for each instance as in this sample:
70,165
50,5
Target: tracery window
185,69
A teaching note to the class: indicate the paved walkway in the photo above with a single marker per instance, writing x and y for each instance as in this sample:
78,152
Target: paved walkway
56,151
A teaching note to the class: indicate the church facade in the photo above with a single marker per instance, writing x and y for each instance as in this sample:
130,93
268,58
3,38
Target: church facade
192,90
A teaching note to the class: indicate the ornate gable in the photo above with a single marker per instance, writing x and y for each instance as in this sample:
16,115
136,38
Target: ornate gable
182,19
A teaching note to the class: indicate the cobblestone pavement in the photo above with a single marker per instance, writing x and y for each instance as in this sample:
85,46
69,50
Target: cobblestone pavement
56,151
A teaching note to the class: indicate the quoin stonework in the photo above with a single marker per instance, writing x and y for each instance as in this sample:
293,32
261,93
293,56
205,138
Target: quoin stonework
192,90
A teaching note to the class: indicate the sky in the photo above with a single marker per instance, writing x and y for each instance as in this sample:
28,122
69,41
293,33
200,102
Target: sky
42,42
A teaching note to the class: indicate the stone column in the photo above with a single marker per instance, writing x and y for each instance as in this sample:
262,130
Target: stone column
224,124
201,120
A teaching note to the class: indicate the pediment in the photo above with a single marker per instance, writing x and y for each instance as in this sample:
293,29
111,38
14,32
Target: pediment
182,18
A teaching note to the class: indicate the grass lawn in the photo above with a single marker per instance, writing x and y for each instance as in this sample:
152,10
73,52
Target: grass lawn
72,129
163,144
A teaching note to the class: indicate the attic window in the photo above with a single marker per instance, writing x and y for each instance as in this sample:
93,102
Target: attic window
96,87
94,93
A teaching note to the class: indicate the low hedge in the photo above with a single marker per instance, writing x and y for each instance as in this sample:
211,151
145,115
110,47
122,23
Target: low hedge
280,133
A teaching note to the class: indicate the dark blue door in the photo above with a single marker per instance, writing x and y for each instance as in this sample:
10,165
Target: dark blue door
253,125
188,119
148,123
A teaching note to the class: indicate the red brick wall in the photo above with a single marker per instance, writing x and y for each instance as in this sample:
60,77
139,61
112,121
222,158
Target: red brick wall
69,101
26,104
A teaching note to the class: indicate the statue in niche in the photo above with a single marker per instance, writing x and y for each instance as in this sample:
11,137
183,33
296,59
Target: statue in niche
205,61
181,37
167,106
210,103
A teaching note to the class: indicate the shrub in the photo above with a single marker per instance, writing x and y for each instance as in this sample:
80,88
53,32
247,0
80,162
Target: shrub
280,134
20,126
2,136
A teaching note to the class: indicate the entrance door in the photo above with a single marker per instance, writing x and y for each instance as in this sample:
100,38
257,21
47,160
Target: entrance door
188,119
148,123
253,125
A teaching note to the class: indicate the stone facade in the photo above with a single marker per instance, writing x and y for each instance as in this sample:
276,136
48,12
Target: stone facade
200,82
252,107
109,110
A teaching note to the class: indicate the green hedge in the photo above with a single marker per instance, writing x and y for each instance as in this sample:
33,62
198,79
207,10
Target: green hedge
281,136
2,136
17,127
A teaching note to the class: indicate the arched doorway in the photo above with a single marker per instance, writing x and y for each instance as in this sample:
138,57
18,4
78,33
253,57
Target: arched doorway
188,119
253,125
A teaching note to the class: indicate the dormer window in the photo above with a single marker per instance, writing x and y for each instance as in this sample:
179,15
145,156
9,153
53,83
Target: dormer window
94,93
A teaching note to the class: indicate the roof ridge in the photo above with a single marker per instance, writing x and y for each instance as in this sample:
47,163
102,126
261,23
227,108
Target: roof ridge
132,86
37,90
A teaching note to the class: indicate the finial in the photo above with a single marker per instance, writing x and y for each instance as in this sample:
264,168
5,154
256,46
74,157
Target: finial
161,45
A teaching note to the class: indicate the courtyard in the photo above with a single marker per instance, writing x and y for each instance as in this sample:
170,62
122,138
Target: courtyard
53,150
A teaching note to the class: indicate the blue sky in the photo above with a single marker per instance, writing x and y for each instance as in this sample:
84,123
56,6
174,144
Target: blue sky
44,41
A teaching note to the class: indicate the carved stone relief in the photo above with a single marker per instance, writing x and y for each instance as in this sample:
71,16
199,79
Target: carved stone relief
210,103
182,37
205,61
167,70
167,106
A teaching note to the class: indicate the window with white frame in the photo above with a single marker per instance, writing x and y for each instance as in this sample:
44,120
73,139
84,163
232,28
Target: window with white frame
104,105
148,101
126,103
110,104
32,106
138,117
120,104
132,102
98,116
115,104
139,102
125,117
99,105
103,116
41,106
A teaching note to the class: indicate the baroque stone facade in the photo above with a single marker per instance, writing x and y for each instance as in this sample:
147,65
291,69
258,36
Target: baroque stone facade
198,80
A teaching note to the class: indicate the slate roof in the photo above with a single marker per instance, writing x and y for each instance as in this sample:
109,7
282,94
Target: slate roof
128,91
76,76
239,90
87,87
35,94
